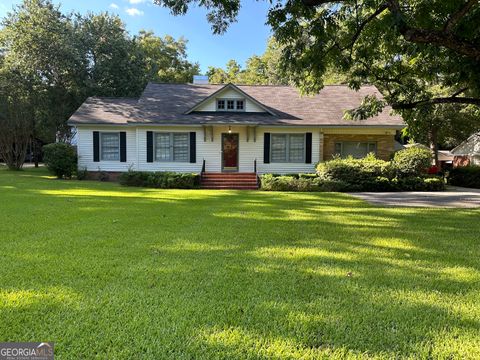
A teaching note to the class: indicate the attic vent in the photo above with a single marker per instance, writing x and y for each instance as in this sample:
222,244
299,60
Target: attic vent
200,79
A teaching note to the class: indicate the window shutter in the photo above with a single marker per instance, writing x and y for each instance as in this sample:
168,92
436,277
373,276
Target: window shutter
308,148
193,147
149,146
266,148
123,146
96,146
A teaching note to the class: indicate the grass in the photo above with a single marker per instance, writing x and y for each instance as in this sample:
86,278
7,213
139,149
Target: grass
129,273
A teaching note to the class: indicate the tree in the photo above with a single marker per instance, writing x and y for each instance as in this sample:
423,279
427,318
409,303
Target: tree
115,64
445,125
402,47
15,121
166,58
41,48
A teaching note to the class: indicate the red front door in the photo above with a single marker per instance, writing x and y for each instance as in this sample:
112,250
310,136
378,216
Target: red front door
230,152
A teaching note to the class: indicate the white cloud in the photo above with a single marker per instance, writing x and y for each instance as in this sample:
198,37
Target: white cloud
134,12
114,6
136,1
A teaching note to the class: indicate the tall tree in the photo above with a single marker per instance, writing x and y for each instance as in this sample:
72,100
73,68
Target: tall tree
115,64
42,47
263,70
402,46
166,58
15,120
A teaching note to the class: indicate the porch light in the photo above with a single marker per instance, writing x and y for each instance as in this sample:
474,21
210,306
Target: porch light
229,129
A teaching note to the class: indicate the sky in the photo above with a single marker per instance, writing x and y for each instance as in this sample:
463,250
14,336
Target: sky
243,39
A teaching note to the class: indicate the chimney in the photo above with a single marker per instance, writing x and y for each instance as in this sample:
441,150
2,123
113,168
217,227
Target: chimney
200,79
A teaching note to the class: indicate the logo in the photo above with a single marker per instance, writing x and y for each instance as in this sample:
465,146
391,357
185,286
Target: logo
26,351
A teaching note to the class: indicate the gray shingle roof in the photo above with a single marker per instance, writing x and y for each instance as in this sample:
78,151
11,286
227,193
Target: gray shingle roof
168,103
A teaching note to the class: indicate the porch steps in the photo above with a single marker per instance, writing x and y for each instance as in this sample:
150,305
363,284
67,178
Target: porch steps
235,181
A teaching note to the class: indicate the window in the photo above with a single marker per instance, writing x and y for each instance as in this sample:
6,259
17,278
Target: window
355,149
231,104
288,148
171,147
110,146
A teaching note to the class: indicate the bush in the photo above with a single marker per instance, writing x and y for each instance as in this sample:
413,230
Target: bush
467,176
299,182
160,180
414,161
60,159
358,173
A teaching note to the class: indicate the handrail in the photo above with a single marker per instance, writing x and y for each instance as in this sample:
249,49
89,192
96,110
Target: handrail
203,167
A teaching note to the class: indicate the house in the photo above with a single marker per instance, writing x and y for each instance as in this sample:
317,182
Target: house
468,152
227,128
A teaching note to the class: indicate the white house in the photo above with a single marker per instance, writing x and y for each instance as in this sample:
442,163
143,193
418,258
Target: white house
227,129
468,152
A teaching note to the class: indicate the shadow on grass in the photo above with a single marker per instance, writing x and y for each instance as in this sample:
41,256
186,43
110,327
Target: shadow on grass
205,274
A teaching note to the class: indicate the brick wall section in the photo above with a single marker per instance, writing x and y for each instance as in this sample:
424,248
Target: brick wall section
385,144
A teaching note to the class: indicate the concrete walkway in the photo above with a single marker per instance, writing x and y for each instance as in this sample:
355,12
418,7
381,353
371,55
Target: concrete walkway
453,197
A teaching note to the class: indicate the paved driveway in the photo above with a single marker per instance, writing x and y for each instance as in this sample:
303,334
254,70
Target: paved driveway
454,197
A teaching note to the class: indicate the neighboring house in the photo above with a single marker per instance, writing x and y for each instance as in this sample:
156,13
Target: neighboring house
468,152
228,128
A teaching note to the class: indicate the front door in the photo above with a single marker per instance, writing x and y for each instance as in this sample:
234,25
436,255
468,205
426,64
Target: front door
229,152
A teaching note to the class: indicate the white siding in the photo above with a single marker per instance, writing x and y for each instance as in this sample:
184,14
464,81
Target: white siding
143,165
209,150
249,151
230,94
85,149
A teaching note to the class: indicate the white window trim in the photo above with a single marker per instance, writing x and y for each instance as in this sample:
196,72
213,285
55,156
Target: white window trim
287,150
101,144
355,142
171,133
234,105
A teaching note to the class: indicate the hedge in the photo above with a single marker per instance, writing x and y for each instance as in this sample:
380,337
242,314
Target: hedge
467,176
272,182
160,180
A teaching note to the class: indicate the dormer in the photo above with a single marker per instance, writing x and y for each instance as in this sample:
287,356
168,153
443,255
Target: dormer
230,99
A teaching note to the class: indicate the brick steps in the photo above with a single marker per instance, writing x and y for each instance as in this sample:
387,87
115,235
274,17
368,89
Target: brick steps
236,181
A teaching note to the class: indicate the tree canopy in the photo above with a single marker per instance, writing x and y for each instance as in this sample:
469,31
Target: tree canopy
55,60
263,70
404,47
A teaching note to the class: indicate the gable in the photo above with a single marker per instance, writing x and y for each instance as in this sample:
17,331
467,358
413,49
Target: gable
230,92
211,104
471,146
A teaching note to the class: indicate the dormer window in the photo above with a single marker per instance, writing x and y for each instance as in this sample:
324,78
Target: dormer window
230,105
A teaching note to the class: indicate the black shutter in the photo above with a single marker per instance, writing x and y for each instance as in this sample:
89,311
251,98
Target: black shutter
96,146
308,148
193,147
149,146
123,146
266,148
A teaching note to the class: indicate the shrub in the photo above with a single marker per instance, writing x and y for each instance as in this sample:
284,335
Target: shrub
358,173
272,182
467,176
160,180
60,159
434,184
414,161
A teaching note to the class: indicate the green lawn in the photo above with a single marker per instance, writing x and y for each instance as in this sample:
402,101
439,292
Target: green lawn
125,273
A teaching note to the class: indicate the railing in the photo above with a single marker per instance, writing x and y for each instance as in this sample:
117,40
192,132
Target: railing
203,167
